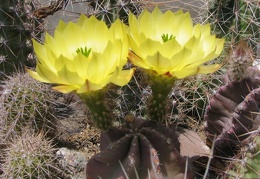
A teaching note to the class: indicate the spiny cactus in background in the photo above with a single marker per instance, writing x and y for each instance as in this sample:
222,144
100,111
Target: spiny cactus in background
17,27
29,156
236,20
232,114
233,110
240,62
192,95
246,163
222,15
140,149
131,98
110,10
25,102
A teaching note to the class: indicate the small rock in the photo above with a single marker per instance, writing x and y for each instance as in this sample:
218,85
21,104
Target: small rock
72,162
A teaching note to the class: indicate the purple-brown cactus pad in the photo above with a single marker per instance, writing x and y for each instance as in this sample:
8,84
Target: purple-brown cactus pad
232,113
144,149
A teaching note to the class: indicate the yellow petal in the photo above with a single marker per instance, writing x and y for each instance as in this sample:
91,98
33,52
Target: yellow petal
205,69
136,60
39,50
150,47
68,77
37,77
65,88
184,72
185,29
159,63
181,59
46,73
220,45
170,48
146,23
88,86
190,46
123,77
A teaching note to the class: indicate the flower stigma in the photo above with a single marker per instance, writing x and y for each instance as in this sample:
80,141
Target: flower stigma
84,51
166,37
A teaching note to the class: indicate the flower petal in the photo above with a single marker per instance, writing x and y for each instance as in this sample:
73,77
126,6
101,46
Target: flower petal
169,43
83,56
123,77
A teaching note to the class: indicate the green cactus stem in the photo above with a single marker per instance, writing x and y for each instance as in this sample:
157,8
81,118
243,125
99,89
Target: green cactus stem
161,86
101,115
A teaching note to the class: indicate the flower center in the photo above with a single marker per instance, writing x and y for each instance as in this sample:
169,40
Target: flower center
85,51
166,37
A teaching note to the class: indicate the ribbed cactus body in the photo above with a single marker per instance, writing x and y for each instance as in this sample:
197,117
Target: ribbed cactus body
232,114
143,148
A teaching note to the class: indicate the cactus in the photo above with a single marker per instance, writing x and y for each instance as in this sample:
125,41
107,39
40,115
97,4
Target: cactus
110,10
17,27
139,149
29,156
131,98
25,103
106,10
236,20
232,114
233,110
192,94
241,62
246,163
101,116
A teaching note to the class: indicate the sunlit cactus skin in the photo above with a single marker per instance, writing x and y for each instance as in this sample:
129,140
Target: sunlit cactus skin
233,112
144,148
17,27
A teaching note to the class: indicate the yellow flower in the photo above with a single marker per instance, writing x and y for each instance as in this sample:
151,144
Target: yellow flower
83,56
168,44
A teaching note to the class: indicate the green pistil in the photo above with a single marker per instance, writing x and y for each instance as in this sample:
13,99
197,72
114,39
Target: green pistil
166,37
84,51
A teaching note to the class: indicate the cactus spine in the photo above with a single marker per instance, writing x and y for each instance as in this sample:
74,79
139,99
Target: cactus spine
29,156
17,27
25,103
236,20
